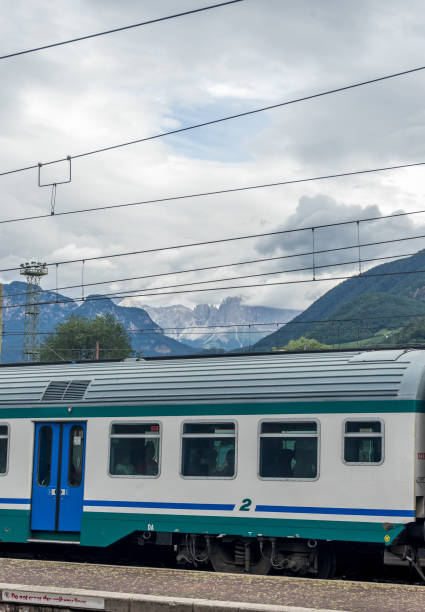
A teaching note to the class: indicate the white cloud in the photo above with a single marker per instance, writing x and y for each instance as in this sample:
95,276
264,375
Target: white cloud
113,89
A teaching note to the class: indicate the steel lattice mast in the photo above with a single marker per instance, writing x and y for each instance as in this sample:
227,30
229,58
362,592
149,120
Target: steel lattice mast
33,271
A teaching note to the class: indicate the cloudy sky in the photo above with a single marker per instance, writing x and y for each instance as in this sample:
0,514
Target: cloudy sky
136,83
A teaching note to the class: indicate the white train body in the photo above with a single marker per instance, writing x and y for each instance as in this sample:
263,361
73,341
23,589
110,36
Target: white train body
348,427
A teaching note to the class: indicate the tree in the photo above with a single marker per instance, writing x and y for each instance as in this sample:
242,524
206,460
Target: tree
412,332
76,340
303,344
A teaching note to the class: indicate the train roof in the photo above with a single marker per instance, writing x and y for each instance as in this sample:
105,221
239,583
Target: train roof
346,375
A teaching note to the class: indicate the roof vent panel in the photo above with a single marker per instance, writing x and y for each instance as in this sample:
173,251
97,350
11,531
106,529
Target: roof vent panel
65,390
55,390
76,390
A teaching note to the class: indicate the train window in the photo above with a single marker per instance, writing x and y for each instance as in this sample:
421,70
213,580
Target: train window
4,441
134,449
363,442
289,449
44,466
76,454
208,450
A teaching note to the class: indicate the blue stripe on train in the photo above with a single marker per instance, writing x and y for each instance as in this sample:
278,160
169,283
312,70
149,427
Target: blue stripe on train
258,508
167,505
348,511
230,507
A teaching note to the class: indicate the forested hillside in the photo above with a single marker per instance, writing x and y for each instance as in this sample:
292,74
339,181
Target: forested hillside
387,291
364,316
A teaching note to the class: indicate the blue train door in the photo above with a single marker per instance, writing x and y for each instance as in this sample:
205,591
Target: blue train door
58,477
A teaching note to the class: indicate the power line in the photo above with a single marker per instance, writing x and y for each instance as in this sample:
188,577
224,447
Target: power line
121,29
314,252
237,238
221,192
160,330
313,267
229,278
293,282
290,282
130,292
218,120
226,265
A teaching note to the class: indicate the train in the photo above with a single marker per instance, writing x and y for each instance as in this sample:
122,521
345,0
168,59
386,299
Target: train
248,463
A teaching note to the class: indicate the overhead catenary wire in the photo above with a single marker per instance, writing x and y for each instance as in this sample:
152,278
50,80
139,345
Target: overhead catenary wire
233,239
215,121
155,293
202,194
129,293
119,29
137,292
226,265
161,330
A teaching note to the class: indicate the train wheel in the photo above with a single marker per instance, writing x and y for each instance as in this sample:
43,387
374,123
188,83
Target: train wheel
238,557
326,562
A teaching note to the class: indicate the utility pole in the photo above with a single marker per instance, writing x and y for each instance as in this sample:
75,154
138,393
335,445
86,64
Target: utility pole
33,271
97,350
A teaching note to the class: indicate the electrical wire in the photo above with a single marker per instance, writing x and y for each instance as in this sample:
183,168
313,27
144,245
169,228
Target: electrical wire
357,261
121,29
130,292
232,239
160,330
227,265
218,120
232,287
221,192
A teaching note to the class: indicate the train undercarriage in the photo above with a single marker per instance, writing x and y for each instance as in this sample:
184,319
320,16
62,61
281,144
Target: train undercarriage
296,557
290,556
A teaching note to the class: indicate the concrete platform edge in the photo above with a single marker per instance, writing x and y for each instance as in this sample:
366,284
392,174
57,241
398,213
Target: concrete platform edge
132,602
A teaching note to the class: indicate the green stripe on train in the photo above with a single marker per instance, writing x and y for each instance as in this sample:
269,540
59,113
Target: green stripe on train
105,528
14,525
242,408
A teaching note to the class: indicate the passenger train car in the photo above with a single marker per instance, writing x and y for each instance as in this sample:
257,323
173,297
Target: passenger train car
248,462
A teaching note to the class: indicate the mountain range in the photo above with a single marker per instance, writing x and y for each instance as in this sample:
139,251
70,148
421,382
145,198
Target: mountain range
384,297
58,308
367,308
190,323
152,330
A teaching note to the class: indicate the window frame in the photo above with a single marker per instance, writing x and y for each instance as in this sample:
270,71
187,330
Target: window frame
361,435
6,424
208,422
139,422
291,420
38,441
71,446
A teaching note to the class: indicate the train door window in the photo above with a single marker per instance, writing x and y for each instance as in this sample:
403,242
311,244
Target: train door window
208,450
76,455
289,449
44,466
134,449
363,442
4,443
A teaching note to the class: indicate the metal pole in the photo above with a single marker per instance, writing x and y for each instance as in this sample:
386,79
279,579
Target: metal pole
33,271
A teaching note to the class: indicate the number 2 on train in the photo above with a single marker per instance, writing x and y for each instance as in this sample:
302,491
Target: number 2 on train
246,504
